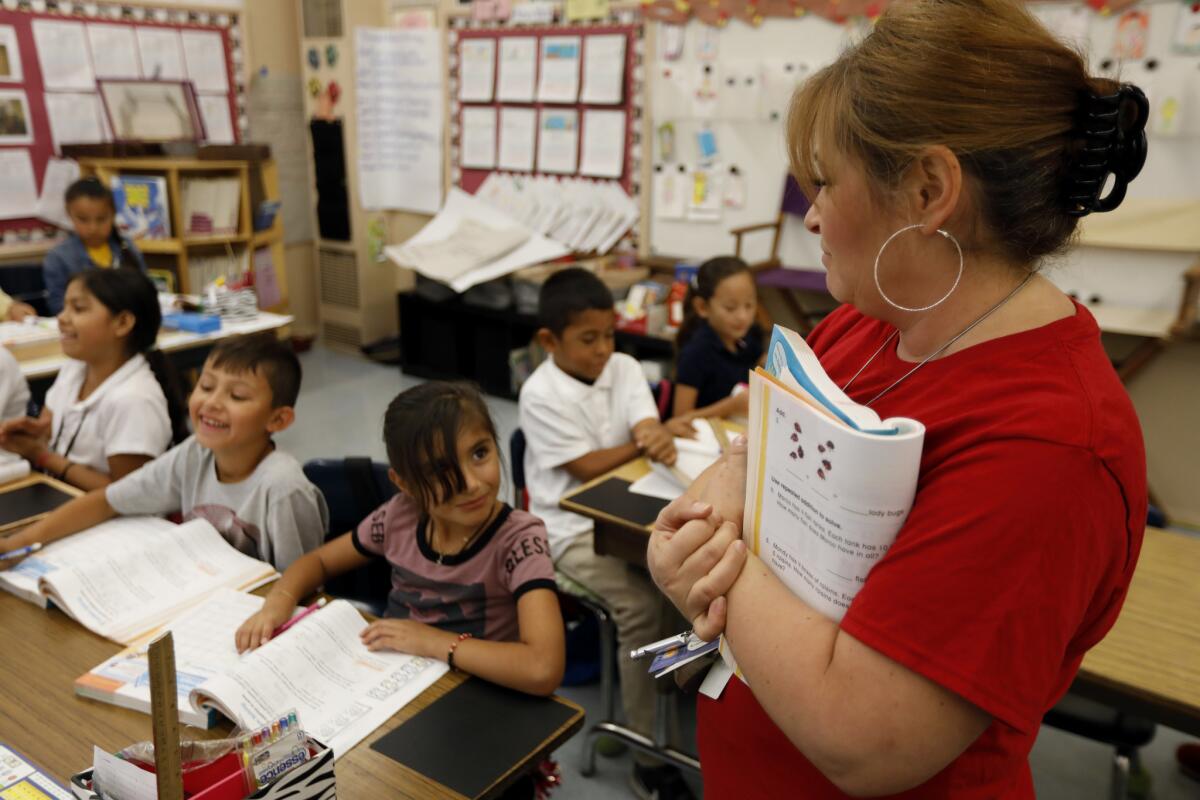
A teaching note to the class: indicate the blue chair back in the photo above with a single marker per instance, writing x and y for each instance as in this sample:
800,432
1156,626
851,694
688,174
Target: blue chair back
516,458
353,488
25,282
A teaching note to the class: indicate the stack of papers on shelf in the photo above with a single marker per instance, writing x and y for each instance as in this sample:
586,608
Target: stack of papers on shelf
471,245
444,229
210,206
583,215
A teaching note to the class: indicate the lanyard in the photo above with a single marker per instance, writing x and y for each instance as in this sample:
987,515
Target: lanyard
74,436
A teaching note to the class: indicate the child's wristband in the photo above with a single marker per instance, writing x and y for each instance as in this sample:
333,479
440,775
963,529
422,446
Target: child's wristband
462,637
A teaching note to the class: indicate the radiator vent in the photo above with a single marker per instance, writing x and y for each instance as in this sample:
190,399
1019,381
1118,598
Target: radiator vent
344,335
339,277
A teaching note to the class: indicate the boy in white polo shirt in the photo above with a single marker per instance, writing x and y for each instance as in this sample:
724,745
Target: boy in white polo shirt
584,411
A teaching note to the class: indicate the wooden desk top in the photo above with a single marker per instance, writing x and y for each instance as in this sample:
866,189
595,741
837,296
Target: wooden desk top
1151,657
1149,664
41,716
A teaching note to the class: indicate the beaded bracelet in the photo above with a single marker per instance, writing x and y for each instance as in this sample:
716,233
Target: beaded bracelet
462,637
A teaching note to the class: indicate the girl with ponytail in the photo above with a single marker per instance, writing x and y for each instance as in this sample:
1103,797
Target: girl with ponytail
117,404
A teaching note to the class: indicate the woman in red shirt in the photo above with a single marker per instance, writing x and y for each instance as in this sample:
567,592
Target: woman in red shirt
948,154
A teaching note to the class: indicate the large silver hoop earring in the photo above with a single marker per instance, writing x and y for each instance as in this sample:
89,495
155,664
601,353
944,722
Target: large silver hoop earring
944,297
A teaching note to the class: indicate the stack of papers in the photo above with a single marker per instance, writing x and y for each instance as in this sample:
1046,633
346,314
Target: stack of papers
446,233
470,246
585,216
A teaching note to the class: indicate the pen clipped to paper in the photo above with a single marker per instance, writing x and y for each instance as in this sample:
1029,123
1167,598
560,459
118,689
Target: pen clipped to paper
311,609
21,552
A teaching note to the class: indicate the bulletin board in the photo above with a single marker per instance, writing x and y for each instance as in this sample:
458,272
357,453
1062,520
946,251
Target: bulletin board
1168,72
470,179
33,84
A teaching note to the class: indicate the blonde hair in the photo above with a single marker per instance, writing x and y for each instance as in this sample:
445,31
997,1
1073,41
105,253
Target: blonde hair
983,78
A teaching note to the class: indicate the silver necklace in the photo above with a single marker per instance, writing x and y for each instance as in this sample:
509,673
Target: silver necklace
935,353
467,542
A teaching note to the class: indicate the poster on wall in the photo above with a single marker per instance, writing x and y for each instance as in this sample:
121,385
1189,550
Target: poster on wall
399,95
15,124
10,56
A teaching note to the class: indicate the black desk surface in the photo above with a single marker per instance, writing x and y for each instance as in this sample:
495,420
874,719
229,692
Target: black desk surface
612,500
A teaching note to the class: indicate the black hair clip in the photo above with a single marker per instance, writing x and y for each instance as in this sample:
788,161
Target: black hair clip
1113,128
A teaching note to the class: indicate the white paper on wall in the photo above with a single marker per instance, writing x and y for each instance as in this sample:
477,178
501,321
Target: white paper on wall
476,70
114,51
518,69
559,79
558,141
478,144
603,69
63,55
204,59
161,53
74,118
518,135
603,144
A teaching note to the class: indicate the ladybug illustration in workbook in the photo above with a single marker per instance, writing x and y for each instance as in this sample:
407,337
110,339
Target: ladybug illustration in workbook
824,449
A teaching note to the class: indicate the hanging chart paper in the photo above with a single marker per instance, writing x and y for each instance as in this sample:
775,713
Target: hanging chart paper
559,81
603,144
518,132
204,56
218,121
74,118
518,69
114,51
558,141
476,70
162,54
18,190
603,69
399,95
63,55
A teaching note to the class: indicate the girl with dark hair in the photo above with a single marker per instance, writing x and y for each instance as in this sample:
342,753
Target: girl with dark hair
718,343
94,243
116,405
472,580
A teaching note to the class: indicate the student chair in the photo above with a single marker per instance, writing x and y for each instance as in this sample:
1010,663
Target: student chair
25,283
1125,732
353,488
572,595
771,273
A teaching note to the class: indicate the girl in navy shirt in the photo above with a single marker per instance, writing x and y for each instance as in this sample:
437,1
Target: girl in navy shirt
718,342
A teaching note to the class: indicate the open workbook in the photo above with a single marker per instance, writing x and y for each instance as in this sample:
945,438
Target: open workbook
131,575
319,667
828,483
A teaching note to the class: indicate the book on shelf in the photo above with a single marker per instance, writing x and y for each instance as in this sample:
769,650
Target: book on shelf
210,206
143,209
319,667
131,575
230,266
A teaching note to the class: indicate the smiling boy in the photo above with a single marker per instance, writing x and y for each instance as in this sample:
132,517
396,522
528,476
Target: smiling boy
228,472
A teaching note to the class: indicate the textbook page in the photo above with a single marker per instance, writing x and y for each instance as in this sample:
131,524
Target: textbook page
204,648
340,690
134,582
82,548
824,502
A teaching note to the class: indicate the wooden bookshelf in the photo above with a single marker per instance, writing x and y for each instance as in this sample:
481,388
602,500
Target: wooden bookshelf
174,254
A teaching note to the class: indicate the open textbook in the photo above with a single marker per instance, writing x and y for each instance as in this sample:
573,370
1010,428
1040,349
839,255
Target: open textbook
692,456
128,576
319,667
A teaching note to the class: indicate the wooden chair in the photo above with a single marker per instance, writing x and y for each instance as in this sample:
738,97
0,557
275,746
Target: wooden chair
771,273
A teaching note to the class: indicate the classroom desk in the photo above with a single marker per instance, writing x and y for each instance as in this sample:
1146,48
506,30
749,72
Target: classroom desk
41,717
171,342
1147,665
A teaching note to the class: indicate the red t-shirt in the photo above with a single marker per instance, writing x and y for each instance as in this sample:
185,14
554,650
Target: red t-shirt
1015,559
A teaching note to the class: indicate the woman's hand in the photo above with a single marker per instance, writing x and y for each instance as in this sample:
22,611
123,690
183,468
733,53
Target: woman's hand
408,636
720,489
258,629
695,566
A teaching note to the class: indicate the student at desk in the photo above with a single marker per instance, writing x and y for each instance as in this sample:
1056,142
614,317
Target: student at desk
584,411
229,472
718,342
117,404
95,242
947,154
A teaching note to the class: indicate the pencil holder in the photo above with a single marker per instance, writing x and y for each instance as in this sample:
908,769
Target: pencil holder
312,780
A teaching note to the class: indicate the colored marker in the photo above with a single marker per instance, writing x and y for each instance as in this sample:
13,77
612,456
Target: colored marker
314,607
21,552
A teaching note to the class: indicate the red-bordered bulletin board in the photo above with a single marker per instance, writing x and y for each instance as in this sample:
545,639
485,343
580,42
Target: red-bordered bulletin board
471,179
21,20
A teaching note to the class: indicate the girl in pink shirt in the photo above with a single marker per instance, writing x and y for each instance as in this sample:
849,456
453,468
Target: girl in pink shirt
472,580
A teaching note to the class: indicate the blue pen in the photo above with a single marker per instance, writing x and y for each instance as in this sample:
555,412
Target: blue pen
20,552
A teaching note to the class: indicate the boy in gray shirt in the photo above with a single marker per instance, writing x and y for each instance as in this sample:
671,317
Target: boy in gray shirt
228,472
